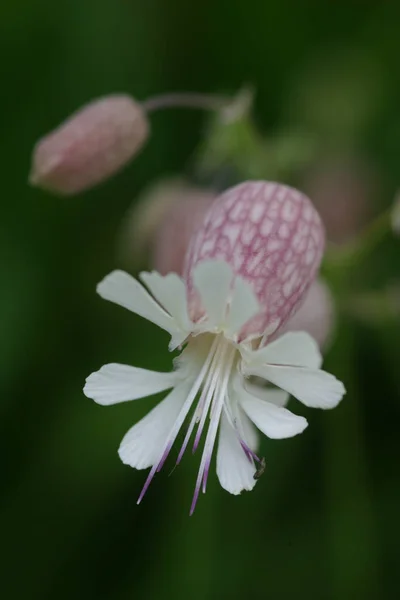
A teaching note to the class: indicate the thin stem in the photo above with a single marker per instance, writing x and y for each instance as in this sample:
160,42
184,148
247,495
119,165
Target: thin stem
185,100
359,249
192,393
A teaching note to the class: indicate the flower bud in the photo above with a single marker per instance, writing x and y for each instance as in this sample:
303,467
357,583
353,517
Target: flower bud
272,236
343,194
90,146
160,224
316,314
177,228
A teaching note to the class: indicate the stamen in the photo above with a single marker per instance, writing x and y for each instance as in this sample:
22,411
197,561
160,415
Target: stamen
249,452
207,452
207,384
200,406
179,421
164,457
188,434
212,383
251,456
218,404
205,475
222,386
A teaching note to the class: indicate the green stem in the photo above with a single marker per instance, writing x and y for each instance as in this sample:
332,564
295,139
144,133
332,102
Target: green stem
186,100
361,247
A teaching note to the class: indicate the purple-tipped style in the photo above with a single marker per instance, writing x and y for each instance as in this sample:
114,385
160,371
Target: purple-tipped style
90,146
272,236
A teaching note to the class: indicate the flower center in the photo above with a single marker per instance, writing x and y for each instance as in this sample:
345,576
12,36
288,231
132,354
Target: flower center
225,357
215,359
221,360
218,357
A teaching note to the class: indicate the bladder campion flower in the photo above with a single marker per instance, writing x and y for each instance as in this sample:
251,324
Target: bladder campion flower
170,235
247,269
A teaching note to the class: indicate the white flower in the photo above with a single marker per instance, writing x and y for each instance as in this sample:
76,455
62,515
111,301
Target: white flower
211,376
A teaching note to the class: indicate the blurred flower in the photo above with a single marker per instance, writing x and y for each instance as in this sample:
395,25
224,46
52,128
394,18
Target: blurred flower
90,146
343,194
316,314
395,216
161,224
178,227
247,270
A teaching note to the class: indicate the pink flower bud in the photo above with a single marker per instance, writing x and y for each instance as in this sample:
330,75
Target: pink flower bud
343,193
90,146
161,222
316,315
174,233
272,236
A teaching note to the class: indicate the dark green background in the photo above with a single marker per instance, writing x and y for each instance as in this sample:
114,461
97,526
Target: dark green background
323,522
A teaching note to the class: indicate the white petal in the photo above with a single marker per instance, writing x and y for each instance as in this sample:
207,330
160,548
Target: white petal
274,421
115,383
170,291
243,307
213,279
296,348
268,394
313,387
235,471
251,436
123,289
142,445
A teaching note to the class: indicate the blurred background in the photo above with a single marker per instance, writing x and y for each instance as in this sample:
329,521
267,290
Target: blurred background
323,522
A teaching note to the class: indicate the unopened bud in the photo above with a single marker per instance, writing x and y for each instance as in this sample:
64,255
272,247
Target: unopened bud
90,146
161,223
316,315
177,228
